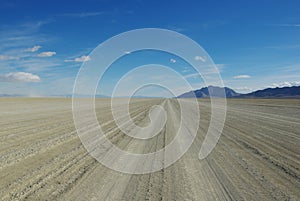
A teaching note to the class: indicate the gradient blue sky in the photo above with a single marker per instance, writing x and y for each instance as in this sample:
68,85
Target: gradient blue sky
255,44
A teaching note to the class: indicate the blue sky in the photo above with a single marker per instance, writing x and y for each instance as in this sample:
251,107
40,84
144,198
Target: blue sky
255,44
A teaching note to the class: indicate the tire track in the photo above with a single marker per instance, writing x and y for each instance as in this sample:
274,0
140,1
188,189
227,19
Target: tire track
257,157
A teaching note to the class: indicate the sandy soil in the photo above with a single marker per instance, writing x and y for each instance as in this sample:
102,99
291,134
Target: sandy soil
257,157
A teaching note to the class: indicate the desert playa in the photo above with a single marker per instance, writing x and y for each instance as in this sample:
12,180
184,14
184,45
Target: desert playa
256,158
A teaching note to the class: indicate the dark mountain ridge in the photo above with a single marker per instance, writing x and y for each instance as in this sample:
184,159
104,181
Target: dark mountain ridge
277,92
210,91
213,91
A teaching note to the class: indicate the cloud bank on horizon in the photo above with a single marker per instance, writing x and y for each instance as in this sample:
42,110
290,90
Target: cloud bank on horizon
43,51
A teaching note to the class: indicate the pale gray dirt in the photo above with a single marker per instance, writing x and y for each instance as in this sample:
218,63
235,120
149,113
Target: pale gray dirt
257,157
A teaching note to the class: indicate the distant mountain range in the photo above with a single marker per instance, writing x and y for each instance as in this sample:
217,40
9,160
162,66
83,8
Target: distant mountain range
213,91
57,96
79,96
11,95
284,92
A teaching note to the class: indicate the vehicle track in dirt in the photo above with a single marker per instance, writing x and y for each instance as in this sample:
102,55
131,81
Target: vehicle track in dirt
256,158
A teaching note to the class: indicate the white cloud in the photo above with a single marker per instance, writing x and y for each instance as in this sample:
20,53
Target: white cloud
19,77
79,59
286,84
172,60
242,77
243,89
46,54
6,57
33,49
200,58
127,52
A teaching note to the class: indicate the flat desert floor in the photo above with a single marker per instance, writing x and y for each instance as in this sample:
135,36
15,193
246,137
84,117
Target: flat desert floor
256,158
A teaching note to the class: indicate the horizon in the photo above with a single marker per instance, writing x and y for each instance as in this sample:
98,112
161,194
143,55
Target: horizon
135,96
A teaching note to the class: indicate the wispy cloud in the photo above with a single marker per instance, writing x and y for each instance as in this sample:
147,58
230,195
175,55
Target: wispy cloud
39,64
79,59
205,70
19,77
176,28
18,42
82,14
241,76
46,54
21,36
193,75
33,49
288,25
6,57
186,70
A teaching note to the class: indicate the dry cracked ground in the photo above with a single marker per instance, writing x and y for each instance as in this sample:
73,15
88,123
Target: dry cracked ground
256,158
